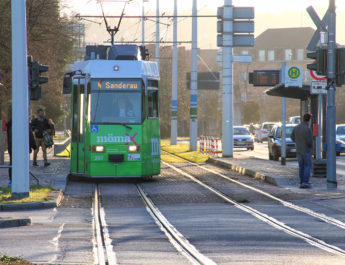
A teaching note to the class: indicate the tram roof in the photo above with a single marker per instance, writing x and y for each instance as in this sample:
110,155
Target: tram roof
126,69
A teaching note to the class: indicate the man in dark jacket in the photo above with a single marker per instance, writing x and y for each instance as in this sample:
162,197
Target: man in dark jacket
39,125
303,137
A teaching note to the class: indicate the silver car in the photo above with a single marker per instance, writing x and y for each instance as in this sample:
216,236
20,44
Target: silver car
243,138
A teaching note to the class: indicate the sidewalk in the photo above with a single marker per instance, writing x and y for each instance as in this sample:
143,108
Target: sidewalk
55,176
48,176
273,172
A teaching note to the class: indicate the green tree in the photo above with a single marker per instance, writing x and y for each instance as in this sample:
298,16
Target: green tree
49,42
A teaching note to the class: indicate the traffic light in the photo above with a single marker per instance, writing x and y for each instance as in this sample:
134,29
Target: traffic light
35,79
220,11
320,61
340,66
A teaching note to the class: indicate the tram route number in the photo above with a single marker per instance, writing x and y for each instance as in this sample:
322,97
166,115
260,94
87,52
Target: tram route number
155,146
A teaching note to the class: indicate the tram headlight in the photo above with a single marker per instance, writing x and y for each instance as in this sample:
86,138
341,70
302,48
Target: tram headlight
98,148
133,148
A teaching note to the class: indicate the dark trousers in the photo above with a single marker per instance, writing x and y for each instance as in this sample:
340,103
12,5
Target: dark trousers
304,163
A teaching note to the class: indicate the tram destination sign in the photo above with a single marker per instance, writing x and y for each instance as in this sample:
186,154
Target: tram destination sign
106,84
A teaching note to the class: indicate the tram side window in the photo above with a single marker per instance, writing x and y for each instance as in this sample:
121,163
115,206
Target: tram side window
152,102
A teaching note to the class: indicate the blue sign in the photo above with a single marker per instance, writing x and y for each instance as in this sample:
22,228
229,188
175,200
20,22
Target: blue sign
94,128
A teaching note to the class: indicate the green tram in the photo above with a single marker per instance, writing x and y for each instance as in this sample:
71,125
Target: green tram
115,114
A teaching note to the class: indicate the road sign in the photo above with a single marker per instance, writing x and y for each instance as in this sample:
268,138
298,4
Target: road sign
243,40
243,12
206,80
320,24
317,77
242,58
318,87
293,76
243,26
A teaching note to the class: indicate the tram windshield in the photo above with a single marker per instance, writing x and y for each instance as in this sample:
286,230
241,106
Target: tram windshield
115,101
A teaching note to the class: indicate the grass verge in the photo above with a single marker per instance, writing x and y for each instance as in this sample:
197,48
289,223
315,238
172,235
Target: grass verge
13,260
38,193
181,150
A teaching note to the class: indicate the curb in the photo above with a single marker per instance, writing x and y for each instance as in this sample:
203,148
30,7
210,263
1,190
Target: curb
245,171
11,222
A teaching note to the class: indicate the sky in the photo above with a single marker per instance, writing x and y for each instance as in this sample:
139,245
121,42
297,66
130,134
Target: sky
268,14
262,6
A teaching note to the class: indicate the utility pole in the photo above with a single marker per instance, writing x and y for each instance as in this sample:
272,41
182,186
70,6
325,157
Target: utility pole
331,76
173,133
20,102
157,36
193,146
143,24
227,121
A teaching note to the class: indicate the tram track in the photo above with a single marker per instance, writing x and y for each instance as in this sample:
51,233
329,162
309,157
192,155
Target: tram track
264,217
105,253
310,212
175,237
104,249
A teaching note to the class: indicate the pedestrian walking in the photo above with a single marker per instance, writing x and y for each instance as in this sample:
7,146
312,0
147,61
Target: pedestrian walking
303,137
39,125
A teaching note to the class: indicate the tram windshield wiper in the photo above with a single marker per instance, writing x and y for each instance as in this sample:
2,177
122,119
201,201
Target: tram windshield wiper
125,125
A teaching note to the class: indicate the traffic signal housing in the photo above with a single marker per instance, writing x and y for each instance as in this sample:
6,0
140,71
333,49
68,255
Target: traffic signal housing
340,66
320,61
36,80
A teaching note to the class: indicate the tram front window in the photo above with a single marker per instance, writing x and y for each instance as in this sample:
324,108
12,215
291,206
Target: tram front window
113,106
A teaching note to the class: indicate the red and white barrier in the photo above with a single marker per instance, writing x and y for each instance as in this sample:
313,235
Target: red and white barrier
209,145
202,144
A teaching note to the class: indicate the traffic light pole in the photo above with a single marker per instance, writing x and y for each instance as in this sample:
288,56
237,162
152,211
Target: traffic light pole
331,76
193,145
227,123
173,134
157,36
20,103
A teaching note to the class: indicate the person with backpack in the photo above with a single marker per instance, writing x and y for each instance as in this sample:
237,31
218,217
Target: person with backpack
40,126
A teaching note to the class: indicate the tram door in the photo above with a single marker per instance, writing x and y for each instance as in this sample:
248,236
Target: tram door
78,125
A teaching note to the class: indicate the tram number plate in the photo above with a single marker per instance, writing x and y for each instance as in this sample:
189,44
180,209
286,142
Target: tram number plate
116,158
133,157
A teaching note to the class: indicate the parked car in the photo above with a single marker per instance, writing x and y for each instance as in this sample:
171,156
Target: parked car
262,133
340,131
294,120
339,147
243,138
340,140
275,142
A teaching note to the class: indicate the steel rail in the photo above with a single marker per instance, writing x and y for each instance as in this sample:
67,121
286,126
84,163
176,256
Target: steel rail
267,219
98,230
105,251
323,217
175,236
